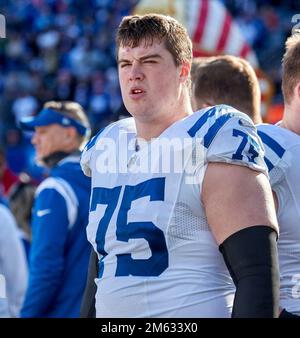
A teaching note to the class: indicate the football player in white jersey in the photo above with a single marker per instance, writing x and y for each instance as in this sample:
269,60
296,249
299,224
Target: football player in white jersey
282,148
285,177
180,201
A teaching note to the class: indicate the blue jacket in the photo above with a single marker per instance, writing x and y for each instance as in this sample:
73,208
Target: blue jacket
59,251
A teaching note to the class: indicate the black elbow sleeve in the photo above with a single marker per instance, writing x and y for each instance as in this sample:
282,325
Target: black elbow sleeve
252,260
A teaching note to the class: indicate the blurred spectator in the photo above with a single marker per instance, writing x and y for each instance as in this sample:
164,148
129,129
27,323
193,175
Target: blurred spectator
64,85
25,105
15,150
7,177
99,103
21,200
266,24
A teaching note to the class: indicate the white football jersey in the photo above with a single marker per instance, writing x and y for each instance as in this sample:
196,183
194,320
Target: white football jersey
157,255
282,156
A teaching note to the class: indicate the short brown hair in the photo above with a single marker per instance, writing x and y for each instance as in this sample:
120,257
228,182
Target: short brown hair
136,29
73,110
291,66
198,62
227,79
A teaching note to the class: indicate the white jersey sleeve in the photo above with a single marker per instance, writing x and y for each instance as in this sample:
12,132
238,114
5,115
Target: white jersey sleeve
86,155
274,139
231,137
289,170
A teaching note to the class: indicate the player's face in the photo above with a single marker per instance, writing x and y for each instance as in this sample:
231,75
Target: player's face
49,139
149,80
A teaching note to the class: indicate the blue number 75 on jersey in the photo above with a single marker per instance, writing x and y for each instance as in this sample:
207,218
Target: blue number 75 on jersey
253,150
126,265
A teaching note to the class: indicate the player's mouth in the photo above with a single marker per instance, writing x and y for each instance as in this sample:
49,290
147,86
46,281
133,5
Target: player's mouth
136,93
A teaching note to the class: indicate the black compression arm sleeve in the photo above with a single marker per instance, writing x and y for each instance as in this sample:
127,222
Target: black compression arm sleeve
88,309
252,260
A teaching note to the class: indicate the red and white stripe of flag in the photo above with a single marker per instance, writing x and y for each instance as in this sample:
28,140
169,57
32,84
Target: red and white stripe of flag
213,31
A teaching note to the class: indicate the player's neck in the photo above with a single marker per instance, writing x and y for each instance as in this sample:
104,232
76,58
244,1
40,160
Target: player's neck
150,129
291,119
155,126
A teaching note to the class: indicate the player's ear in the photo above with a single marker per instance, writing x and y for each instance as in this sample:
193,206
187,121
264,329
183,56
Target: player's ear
297,91
185,71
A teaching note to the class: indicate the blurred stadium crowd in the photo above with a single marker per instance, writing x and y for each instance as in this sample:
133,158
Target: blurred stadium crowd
61,50
64,50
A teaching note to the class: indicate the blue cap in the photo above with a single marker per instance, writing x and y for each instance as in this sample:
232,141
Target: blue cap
49,116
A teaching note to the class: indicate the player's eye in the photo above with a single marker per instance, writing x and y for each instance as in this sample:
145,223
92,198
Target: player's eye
123,64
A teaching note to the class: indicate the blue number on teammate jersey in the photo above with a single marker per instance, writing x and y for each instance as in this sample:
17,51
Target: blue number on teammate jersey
126,265
246,139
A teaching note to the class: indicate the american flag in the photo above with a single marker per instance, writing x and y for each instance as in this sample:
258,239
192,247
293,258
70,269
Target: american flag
213,31
209,24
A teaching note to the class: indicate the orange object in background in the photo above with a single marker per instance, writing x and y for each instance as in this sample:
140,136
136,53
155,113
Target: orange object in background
274,113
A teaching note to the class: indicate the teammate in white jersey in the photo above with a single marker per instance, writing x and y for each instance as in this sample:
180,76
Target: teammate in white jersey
285,177
282,148
171,189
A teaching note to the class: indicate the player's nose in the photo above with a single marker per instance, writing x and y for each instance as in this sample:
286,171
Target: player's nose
136,72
